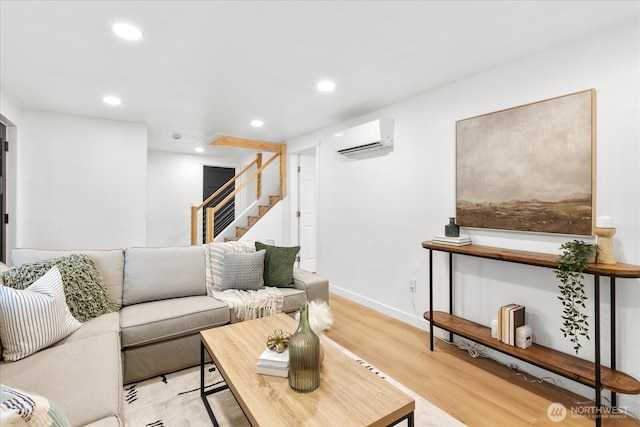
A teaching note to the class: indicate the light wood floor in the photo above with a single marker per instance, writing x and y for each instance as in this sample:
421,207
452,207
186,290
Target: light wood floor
476,391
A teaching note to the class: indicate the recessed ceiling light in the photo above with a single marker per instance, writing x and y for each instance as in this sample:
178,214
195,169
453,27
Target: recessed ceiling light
338,134
257,123
127,31
326,86
112,100
199,150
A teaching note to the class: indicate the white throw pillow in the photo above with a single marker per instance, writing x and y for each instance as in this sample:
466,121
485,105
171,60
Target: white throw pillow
34,318
243,271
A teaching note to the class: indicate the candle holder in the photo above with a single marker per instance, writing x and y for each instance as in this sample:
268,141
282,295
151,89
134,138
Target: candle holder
605,253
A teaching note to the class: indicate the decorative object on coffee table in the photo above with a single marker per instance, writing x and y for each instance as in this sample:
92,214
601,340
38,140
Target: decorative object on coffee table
304,356
320,320
451,229
278,340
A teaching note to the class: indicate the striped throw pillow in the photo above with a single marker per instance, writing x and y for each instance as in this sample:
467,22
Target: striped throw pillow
34,318
215,261
21,408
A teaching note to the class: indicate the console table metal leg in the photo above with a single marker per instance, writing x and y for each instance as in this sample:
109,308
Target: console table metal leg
450,290
431,299
598,383
614,397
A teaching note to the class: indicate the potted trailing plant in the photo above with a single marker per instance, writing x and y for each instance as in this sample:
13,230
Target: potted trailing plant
572,262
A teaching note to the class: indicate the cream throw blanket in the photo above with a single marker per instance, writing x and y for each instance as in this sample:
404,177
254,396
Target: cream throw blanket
252,304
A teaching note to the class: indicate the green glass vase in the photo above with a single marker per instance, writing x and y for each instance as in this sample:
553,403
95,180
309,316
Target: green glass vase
304,356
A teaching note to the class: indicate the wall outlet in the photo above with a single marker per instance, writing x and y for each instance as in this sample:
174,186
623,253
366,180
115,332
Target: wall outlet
412,284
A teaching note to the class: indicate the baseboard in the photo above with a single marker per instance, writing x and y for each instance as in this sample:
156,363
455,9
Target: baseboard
409,318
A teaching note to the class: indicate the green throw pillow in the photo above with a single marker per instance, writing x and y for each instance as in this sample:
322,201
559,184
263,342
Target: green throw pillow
84,288
278,265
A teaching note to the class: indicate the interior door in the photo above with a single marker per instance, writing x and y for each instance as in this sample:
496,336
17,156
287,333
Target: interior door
307,205
3,207
213,178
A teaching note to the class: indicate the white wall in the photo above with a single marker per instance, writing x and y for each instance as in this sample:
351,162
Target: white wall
81,182
174,184
374,213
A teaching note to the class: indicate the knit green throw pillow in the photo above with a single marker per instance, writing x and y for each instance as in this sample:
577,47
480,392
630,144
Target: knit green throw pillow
84,288
278,265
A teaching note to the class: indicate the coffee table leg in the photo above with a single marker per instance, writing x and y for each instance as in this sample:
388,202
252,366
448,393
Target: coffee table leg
203,395
409,418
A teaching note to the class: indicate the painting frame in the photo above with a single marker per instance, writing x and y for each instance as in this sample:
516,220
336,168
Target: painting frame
529,168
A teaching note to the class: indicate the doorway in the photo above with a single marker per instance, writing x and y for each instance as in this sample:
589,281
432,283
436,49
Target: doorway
307,208
3,192
213,179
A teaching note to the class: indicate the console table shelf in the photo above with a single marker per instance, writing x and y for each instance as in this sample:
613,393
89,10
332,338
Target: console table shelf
563,364
592,374
534,258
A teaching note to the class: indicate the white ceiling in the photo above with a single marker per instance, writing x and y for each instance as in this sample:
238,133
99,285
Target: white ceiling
209,67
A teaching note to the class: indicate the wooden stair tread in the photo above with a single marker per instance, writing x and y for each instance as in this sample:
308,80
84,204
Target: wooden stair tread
252,220
552,360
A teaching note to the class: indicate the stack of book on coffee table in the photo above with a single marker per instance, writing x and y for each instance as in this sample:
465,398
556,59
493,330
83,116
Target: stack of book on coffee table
462,240
273,363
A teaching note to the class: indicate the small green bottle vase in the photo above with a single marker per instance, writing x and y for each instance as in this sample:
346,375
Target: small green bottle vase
451,229
304,356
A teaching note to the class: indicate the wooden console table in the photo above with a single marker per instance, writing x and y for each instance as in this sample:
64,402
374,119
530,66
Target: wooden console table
592,374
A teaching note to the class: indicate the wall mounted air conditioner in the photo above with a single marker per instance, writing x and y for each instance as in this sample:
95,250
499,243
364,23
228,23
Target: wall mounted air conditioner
371,136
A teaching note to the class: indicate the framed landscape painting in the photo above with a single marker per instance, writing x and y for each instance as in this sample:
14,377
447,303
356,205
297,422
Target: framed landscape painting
529,168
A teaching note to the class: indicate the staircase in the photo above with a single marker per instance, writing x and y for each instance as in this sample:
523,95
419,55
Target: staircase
240,181
252,220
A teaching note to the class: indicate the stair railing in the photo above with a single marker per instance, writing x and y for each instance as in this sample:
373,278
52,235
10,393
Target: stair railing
257,175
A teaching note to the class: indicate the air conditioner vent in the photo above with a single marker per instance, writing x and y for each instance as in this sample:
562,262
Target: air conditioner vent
361,148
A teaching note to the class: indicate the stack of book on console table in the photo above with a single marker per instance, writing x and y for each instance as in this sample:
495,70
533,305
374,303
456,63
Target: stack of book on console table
462,240
273,363
510,318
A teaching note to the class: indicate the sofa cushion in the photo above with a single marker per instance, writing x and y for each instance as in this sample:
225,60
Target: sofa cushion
83,377
22,408
106,323
243,271
152,274
110,264
162,320
34,318
84,289
278,265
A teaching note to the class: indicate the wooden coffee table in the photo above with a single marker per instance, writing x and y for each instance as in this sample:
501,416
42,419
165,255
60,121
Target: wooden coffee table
349,394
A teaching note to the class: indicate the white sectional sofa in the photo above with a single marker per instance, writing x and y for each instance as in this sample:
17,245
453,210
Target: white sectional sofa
161,294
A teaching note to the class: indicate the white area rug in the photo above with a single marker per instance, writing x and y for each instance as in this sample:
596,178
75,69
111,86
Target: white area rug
173,400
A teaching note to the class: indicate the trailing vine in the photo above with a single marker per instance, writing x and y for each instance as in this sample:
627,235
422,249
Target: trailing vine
571,265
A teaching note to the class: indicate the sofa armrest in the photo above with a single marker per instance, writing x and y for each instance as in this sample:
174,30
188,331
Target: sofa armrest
315,286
